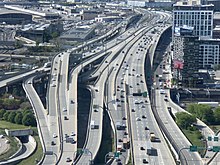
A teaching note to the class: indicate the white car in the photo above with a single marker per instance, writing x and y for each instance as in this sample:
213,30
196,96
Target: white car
64,109
72,134
54,135
138,119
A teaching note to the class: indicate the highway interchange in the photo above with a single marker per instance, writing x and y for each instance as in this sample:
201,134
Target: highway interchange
121,73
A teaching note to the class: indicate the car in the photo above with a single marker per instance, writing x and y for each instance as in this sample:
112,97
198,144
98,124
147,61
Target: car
120,140
142,81
117,100
64,109
136,102
123,118
72,134
133,69
54,135
53,143
29,82
146,128
7,141
53,85
145,161
125,133
118,89
138,84
143,106
144,117
209,148
96,90
118,105
138,119
68,159
142,148
166,99
53,79
66,135
65,118
132,110
131,86
72,102
96,110
2,136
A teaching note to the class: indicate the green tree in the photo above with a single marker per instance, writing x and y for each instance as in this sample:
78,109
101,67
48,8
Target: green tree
11,117
18,118
2,112
217,115
5,116
203,112
29,120
185,120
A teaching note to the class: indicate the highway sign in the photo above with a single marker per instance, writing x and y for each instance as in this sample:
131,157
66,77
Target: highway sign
216,138
116,154
193,148
145,94
216,148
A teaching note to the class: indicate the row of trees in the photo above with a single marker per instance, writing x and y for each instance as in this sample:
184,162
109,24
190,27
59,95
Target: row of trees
205,113
24,117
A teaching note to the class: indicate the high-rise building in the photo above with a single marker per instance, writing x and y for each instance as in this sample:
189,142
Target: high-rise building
191,22
200,17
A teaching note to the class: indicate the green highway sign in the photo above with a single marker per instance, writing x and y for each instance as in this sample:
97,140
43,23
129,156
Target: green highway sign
116,154
144,94
216,148
216,138
193,148
209,138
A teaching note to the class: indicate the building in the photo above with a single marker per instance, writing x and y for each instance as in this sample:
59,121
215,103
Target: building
200,17
40,32
150,3
209,53
190,58
14,17
78,34
192,26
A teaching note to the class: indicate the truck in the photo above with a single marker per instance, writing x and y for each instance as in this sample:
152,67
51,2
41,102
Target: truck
150,150
126,143
152,137
92,124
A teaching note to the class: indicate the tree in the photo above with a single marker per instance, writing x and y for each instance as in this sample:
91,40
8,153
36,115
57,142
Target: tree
185,120
18,118
29,120
5,116
203,112
11,117
2,112
217,115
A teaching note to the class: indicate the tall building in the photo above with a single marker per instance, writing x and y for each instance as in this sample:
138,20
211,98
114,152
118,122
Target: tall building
200,17
191,23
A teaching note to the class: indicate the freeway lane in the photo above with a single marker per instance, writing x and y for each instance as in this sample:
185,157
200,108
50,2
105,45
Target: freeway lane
40,112
174,131
142,108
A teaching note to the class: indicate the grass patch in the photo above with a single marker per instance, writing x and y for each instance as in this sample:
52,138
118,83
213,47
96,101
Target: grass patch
13,149
14,145
37,155
8,125
194,137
